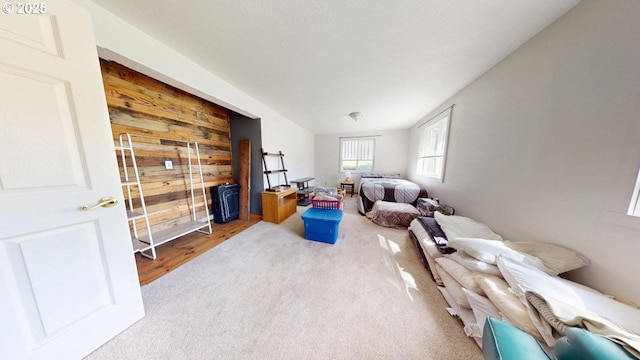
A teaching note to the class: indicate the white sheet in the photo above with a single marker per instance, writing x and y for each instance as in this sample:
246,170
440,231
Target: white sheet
481,307
573,304
459,226
465,315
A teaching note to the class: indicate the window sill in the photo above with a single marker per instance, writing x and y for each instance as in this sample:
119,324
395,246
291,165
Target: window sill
622,219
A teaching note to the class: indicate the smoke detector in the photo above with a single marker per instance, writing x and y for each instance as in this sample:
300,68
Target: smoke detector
355,115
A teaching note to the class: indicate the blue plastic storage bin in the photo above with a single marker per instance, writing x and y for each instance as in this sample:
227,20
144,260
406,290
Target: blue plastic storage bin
322,224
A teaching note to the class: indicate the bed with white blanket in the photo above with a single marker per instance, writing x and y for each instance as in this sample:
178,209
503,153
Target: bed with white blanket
391,188
480,274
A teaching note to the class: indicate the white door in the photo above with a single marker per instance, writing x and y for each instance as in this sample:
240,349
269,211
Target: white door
68,281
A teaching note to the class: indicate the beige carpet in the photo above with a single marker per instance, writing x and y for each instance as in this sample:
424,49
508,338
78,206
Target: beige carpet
268,293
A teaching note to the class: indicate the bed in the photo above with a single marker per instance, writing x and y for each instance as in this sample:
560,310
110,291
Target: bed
390,188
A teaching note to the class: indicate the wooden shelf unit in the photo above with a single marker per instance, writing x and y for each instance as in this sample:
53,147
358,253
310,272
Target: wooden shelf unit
278,206
303,190
268,172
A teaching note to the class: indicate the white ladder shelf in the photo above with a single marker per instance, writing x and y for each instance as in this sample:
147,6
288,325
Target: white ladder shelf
147,244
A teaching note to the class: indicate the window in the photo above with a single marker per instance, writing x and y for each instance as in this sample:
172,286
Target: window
433,145
634,206
357,154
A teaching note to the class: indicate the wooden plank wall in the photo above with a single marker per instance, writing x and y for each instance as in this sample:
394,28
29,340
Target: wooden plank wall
140,105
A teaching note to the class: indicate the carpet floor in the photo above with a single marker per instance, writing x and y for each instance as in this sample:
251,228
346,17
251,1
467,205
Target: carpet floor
267,293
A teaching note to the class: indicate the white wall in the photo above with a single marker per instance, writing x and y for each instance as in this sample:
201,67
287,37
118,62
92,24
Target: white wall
123,43
391,148
546,145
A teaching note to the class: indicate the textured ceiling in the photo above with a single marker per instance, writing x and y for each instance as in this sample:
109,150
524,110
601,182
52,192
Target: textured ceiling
315,62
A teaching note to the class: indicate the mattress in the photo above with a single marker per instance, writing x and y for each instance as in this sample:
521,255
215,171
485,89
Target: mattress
428,247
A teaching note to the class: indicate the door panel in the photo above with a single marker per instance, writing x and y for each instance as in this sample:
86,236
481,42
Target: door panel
37,32
47,286
68,281
23,141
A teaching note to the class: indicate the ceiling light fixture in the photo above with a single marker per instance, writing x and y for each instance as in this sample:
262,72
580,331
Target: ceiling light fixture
356,115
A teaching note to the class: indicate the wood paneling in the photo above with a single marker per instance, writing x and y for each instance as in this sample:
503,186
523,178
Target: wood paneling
140,105
245,178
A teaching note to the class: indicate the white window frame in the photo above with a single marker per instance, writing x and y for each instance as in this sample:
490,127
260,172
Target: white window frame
433,144
359,156
634,205
632,218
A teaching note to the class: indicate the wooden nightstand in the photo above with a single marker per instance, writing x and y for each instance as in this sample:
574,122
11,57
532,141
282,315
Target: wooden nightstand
277,206
347,186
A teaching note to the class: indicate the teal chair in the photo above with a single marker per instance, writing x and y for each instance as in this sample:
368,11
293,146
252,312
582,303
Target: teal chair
501,341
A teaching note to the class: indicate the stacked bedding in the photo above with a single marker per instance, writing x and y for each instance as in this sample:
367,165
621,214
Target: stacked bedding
481,274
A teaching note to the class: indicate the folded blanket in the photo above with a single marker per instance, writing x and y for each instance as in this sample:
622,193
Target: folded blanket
327,196
434,230
559,316
554,303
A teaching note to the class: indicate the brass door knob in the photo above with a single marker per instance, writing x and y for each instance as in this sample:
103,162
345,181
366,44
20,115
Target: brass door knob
107,201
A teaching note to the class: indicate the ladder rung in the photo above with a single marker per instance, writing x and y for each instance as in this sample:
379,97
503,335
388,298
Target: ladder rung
274,171
129,183
272,154
134,215
118,147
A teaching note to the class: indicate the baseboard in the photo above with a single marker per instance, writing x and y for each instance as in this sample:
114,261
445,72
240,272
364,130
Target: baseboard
255,217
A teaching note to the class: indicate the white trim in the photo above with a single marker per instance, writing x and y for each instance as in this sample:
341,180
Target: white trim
357,138
423,127
440,113
634,205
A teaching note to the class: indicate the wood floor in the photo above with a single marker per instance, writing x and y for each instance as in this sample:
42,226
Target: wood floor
179,251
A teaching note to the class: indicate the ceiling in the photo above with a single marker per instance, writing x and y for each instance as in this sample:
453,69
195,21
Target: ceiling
315,62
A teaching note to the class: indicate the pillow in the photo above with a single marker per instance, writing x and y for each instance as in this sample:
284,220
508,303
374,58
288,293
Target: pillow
474,264
488,251
460,273
454,288
555,258
391,176
524,277
497,291
459,226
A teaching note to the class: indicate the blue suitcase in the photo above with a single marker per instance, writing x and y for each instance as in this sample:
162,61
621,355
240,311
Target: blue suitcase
225,204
